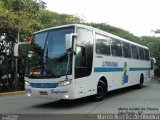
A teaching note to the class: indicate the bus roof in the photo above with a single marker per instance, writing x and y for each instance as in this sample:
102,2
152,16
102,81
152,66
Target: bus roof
68,25
97,31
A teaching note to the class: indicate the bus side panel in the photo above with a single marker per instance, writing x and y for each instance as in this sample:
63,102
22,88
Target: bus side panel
120,72
85,86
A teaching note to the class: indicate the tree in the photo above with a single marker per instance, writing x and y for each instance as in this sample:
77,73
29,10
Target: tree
48,19
116,31
17,20
154,45
20,15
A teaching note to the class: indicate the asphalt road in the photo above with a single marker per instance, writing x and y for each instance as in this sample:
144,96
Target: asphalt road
145,100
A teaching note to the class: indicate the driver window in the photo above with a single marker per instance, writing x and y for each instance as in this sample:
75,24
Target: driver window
80,57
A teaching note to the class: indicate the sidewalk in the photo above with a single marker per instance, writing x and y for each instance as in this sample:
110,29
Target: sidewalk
12,93
156,78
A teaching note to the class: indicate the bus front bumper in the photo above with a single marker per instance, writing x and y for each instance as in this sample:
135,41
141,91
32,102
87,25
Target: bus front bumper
64,92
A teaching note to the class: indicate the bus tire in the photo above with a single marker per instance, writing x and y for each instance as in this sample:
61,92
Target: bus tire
140,85
101,91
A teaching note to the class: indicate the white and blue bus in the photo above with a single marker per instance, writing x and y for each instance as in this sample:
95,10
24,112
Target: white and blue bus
75,61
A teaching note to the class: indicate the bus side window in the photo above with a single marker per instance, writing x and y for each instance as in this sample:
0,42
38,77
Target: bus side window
141,53
126,50
146,54
80,57
134,50
102,45
116,48
152,63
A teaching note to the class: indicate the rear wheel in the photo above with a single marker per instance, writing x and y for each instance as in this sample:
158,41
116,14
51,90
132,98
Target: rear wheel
140,85
101,91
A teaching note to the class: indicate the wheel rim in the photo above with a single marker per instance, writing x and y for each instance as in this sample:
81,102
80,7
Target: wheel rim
100,92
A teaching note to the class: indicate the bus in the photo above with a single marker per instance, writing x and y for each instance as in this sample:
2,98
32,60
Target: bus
74,61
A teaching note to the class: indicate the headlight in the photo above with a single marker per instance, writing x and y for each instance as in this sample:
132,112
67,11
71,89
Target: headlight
64,83
27,83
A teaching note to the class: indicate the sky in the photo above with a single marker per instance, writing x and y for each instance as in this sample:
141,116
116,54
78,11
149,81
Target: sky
139,17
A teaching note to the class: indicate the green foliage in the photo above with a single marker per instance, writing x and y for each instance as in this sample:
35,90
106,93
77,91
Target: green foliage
50,19
19,16
153,43
18,19
116,31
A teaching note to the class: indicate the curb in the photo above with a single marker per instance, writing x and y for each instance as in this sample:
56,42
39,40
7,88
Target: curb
12,93
156,78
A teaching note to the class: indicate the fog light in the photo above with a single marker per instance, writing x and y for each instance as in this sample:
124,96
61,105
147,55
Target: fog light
66,96
28,94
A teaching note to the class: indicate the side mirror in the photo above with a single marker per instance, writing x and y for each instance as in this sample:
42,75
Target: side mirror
16,46
153,61
69,40
16,50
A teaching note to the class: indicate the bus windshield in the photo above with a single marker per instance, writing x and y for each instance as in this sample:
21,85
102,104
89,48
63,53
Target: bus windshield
47,56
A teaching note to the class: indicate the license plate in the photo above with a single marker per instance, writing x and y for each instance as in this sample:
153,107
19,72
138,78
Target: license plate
43,92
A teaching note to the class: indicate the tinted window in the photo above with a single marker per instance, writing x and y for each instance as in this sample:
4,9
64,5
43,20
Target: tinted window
152,64
146,54
40,39
141,53
55,41
102,45
47,56
84,53
80,57
135,54
116,48
126,50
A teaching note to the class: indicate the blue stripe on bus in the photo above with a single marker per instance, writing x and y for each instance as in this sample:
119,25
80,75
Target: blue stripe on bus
44,85
138,69
99,69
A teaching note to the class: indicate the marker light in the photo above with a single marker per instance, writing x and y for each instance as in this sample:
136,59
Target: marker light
34,73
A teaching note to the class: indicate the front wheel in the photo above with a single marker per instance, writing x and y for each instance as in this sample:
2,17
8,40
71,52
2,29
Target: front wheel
140,85
101,92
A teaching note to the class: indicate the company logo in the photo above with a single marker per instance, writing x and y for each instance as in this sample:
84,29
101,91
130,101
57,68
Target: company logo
58,91
125,74
109,64
45,73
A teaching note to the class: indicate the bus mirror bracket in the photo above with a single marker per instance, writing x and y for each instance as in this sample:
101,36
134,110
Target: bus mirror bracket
69,41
